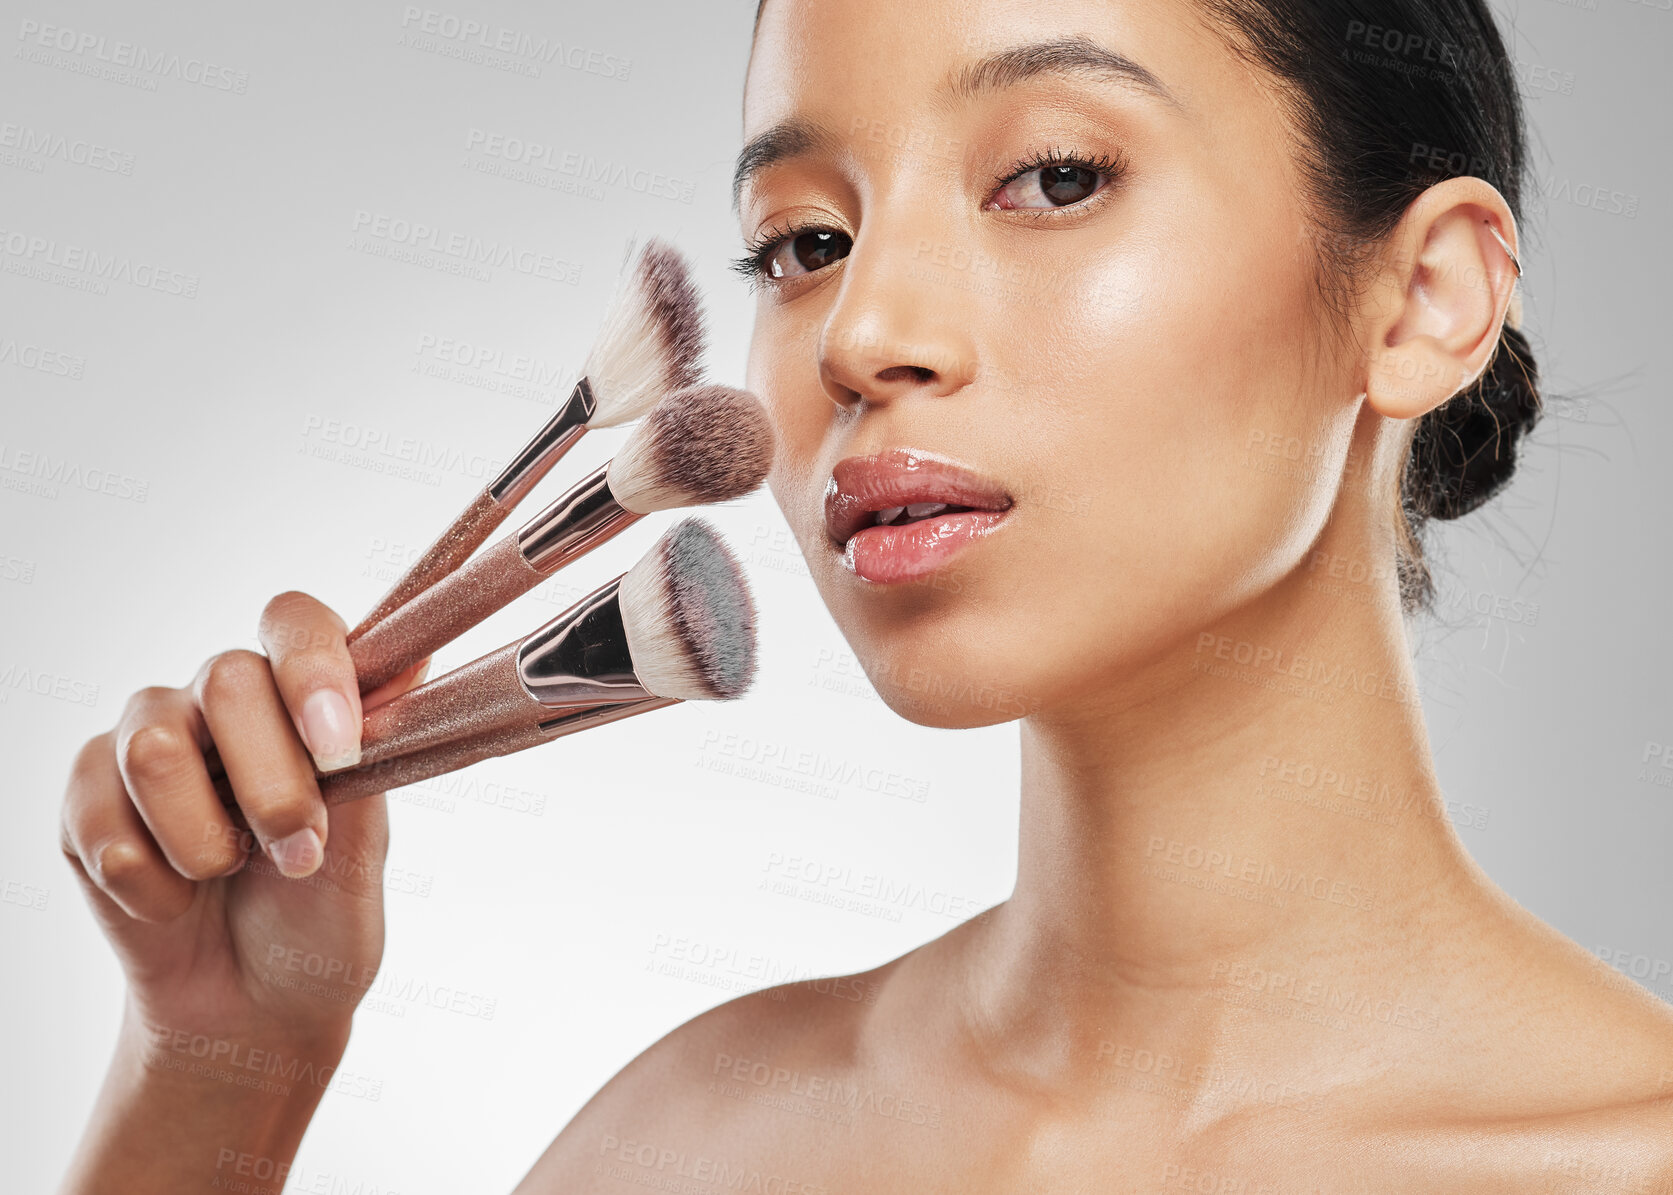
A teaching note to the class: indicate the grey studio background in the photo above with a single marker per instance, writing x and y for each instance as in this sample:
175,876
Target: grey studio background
292,401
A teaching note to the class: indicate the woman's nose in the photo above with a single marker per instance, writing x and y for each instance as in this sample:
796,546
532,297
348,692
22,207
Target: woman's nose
893,332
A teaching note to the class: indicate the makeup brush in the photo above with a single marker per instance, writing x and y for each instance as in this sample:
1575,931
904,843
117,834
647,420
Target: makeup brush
696,447
650,343
679,624
363,780
461,753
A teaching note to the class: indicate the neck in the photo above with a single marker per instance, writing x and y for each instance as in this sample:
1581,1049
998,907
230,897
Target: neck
1260,803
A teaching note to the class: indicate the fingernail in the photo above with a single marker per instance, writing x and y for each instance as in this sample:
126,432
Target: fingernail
296,855
236,867
329,729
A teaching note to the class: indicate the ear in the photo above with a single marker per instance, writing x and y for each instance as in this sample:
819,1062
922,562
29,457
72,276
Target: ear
1437,306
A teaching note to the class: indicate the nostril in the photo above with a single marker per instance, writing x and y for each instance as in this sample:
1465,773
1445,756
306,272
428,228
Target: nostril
906,373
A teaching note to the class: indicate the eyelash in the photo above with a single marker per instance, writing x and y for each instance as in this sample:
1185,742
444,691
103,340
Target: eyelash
1112,168
753,264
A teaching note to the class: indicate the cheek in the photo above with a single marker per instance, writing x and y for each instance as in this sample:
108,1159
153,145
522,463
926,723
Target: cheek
1162,384
782,372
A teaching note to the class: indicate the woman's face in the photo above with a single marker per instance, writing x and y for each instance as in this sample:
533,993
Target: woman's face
1062,247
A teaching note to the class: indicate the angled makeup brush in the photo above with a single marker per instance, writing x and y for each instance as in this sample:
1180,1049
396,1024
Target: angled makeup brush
698,446
679,624
461,753
650,343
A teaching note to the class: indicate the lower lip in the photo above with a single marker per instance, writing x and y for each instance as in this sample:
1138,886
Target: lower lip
890,555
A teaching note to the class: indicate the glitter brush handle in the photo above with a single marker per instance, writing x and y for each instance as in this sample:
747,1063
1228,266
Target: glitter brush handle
423,765
367,779
471,529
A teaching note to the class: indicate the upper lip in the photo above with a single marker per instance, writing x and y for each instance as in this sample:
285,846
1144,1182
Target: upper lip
860,486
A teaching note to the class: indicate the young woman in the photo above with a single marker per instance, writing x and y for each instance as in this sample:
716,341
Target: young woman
1119,353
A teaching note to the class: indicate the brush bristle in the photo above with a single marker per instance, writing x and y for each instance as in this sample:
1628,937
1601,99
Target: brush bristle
707,444
689,618
651,341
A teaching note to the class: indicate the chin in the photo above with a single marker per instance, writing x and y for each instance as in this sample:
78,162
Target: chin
947,699
941,666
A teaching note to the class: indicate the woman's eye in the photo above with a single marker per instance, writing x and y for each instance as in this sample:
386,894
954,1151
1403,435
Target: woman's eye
1049,187
806,252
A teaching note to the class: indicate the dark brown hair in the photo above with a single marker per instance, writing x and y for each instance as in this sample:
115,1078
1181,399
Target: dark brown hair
1391,97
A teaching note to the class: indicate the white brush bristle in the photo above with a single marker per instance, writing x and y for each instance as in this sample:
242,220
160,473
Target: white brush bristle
651,341
689,617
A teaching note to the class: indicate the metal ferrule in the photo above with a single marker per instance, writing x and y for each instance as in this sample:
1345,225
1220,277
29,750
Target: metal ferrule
576,523
598,715
581,656
549,443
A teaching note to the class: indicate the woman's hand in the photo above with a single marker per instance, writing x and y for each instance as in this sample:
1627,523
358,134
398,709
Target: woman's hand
237,944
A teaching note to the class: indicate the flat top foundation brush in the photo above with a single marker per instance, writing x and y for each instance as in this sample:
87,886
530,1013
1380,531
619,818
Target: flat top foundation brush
679,624
698,446
650,344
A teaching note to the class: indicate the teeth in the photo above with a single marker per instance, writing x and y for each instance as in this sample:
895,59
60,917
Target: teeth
917,510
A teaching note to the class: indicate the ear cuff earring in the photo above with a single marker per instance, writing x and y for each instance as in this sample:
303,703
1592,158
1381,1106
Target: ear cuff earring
1505,246
1513,312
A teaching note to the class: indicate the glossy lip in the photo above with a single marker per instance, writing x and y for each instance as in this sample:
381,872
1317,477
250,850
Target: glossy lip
861,486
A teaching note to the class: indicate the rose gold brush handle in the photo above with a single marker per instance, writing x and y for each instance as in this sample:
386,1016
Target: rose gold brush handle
483,696
450,757
452,548
441,613
573,525
367,779
471,529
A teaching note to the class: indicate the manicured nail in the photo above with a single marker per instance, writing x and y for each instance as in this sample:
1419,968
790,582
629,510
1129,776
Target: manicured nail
297,855
329,729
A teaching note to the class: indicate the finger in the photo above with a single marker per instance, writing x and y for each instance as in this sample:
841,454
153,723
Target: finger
159,753
103,836
307,644
266,764
408,678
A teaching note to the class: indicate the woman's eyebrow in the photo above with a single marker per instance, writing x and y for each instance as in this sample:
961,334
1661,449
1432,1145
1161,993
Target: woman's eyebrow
798,136
787,139
1059,56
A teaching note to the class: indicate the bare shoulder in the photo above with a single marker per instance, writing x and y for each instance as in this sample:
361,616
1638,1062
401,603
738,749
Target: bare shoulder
1625,1148
725,1098
1613,1131
1604,1038
1556,1074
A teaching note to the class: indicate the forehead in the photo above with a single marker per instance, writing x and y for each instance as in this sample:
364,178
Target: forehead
832,58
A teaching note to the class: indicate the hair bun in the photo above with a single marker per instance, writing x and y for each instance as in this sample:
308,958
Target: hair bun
1464,451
